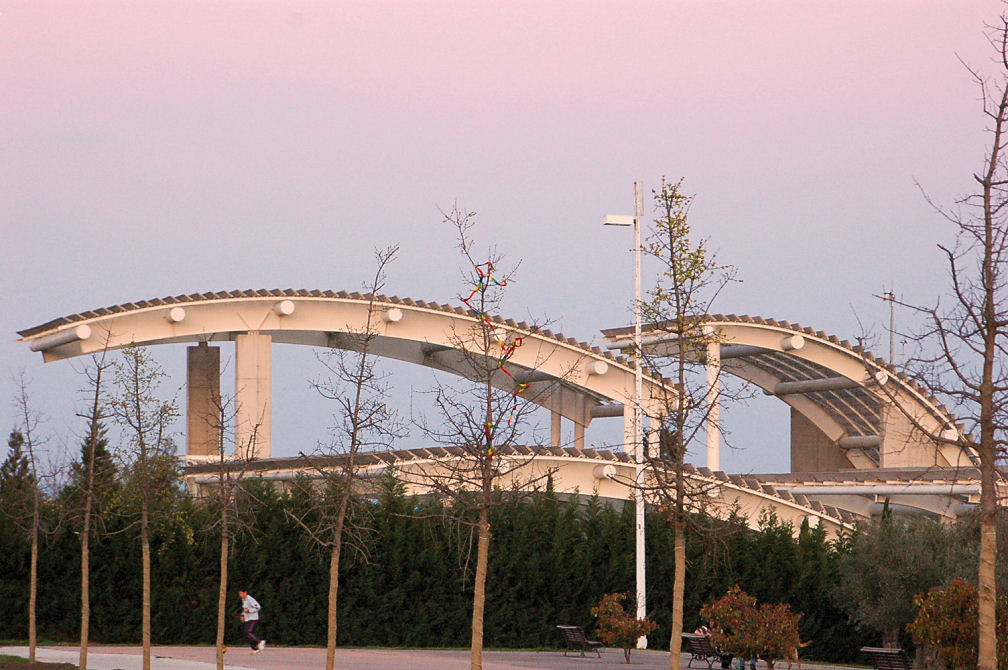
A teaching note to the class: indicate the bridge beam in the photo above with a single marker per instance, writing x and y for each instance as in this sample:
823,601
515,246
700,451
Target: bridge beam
828,384
860,442
75,334
612,409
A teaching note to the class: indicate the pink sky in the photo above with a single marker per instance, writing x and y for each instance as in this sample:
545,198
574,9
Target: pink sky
157,148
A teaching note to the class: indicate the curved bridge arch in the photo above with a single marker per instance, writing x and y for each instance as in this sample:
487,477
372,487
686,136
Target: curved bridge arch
849,409
572,379
841,419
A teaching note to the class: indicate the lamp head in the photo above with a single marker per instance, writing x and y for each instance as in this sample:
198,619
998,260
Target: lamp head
618,220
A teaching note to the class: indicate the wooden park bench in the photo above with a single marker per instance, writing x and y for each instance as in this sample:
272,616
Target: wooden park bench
701,648
574,638
886,658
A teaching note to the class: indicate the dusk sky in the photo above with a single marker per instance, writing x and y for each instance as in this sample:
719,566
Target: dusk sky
163,148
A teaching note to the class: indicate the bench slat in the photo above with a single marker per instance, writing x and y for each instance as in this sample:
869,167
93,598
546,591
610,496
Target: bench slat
574,638
886,658
701,649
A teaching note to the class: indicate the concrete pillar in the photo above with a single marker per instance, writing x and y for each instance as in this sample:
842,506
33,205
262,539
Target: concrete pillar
555,438
579,435
253,399
812,450
903,445
628,427
714,405
202,400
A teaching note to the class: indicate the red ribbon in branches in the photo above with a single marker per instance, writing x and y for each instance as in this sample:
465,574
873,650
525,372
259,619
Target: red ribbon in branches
483,280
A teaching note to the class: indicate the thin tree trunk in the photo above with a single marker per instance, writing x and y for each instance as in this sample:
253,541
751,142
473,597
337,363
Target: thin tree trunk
222,591
678,590
33,589
479,593
85,596
334,559
88,505
986,585
146,617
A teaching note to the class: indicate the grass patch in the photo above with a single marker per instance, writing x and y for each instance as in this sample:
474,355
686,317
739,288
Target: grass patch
18,663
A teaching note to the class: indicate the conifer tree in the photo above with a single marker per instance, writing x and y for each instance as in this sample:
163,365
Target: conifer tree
15,472
18,498
95,462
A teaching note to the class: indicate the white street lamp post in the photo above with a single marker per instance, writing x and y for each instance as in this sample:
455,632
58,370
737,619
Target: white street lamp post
636,221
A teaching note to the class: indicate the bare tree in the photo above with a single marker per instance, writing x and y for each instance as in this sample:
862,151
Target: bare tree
963,348
690,280
149,458
26,509
479,420
92,479
364,421
226,495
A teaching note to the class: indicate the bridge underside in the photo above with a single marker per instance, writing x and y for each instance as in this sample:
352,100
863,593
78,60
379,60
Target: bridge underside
831,501
849,409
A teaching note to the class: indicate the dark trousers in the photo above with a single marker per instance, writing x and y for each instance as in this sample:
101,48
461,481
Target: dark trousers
250,633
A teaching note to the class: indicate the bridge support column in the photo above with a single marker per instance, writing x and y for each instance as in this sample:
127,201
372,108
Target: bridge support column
202,401
628,427
555,438
253,394
714,406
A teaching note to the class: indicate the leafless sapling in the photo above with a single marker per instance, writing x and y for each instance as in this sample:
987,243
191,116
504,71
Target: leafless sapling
363,421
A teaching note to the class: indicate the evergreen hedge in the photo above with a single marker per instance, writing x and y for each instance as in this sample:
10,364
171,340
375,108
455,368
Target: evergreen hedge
551,560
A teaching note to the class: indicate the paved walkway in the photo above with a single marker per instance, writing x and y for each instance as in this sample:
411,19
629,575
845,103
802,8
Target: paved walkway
298,658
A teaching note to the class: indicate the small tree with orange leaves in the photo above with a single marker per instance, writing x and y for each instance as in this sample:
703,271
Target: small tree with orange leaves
741,628
616,626
947,620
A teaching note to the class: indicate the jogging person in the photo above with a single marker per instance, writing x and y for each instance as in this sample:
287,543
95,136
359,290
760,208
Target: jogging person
250,617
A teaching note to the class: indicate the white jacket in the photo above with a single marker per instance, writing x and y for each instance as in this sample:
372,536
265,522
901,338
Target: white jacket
250,608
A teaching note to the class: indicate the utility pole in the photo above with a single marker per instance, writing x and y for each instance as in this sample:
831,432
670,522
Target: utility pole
637,221
890,297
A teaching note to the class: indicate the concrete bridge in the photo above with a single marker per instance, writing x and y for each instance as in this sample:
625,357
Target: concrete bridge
845,432
580,472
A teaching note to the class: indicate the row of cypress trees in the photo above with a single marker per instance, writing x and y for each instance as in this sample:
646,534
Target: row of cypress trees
408,579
